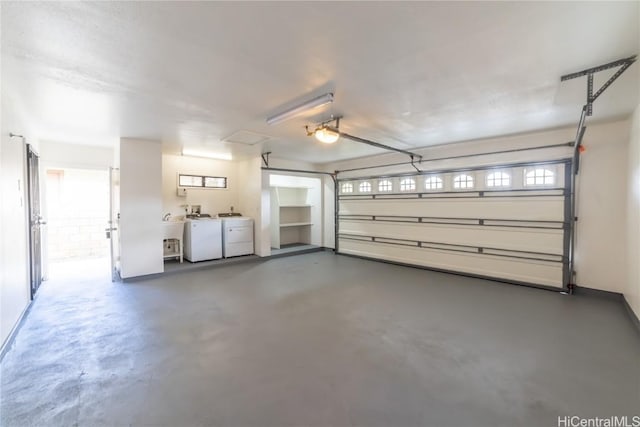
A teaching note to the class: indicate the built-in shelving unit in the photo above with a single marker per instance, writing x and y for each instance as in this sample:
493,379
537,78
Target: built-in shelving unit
295,224
292,211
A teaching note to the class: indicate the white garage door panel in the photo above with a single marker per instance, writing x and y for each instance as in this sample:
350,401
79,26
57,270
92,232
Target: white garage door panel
522,208
526,271
519,239
513,231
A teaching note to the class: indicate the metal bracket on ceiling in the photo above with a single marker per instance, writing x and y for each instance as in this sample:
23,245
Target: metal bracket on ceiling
412,164
325,124
589,72
265,158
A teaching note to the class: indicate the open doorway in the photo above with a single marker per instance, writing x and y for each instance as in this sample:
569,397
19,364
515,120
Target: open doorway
77,206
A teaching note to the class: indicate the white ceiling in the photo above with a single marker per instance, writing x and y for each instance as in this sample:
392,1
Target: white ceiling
403,74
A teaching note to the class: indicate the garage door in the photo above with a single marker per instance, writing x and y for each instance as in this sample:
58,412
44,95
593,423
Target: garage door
508,223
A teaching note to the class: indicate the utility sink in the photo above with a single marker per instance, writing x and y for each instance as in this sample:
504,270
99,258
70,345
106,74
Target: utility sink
172,230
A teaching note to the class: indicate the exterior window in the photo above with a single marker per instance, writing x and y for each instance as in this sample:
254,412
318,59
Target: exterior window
385,185
498,179
199,181
408,184
189,181
215,182
365,187
433,183
540,176
463,181
347,187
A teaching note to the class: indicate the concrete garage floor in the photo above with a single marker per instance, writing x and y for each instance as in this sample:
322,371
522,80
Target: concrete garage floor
317,340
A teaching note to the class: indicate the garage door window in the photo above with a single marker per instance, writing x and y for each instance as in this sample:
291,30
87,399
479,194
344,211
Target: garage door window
347,187
463,182
365,187
498,179
408,184
433,183
385,185
539,176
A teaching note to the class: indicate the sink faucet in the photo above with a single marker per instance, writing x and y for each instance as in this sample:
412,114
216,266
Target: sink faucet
166,217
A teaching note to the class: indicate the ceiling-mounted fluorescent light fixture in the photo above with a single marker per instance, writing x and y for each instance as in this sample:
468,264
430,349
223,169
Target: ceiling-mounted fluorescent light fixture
319,101
208,154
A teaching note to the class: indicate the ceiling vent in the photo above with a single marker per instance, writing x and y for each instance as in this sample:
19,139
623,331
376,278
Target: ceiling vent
245,137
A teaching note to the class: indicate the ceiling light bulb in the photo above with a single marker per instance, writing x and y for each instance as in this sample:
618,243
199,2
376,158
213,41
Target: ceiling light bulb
326,135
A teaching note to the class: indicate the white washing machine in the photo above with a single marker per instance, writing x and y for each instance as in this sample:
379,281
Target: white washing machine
237,236
202,239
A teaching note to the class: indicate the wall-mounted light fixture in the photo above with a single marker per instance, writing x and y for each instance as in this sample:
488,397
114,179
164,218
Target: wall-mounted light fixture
316,102
208,154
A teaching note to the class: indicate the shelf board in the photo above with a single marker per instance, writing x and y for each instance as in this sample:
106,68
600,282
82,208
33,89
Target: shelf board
295,206
296,224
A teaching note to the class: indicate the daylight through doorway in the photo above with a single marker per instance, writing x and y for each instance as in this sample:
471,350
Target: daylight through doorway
77,206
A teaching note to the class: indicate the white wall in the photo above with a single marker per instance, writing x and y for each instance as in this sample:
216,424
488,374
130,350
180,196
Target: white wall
264,248
328,212
632,289
140,207
600,252
275,162
14,260
212,201
251,202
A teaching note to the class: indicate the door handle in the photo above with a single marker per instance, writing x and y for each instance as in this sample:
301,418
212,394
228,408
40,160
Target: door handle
108,231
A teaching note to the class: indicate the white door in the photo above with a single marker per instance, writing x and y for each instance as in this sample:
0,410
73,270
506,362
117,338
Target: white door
35,220
112,230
